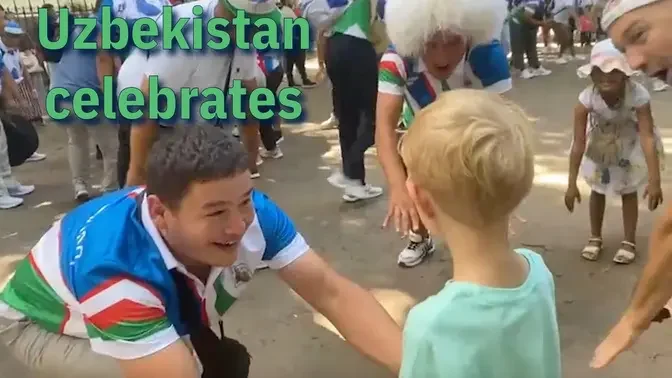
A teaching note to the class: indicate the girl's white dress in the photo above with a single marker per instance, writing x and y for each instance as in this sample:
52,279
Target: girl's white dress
614,162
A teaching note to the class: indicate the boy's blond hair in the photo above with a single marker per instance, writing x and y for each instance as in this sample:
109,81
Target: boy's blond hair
471,151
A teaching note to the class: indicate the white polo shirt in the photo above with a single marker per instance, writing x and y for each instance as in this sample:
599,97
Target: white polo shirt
192,69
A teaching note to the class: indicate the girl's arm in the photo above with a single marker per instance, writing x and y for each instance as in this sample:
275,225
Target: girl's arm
578,143
648,141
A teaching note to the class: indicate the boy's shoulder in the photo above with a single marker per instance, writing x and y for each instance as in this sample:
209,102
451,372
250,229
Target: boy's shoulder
462,301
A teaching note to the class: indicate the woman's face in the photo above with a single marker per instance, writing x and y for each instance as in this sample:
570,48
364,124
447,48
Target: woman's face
644,36
443,53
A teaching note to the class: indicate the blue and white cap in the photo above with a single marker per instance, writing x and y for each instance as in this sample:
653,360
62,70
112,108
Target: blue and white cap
13,27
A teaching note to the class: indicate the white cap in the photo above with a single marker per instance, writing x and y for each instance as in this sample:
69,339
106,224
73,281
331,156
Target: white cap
607,58
614,9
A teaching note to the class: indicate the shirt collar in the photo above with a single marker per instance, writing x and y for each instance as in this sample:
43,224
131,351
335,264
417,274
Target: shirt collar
168,258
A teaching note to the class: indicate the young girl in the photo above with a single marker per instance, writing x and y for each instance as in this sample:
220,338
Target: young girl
616,147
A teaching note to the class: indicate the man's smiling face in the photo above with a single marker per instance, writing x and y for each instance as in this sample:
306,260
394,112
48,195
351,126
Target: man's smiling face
643,35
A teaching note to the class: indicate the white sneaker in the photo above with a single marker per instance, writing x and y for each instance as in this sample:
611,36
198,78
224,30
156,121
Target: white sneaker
417,250
659,85
338,180
330,123
15,189
274,154
561,60
36,156
81,192
260,161
541,71
235,132
354,193
9,202
528,73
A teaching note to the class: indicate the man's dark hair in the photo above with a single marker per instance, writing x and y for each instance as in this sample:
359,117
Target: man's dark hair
192,154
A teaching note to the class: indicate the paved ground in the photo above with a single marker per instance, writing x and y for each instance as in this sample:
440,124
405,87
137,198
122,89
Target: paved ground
287,339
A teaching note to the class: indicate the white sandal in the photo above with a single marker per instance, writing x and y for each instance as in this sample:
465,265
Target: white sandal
592,252
624,256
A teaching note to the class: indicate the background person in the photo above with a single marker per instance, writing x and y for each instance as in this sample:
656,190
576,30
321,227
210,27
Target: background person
526,17
11,190
442,47
77,70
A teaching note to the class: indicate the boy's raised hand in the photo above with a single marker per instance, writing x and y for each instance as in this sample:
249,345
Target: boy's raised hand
572,195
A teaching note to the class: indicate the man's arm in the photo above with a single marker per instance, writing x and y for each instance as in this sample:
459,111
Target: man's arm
360,319
388,111
354,312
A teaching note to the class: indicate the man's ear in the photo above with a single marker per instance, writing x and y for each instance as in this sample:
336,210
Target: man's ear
158,212
421,198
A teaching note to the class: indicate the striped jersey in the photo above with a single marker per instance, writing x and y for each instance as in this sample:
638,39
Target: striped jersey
409,77
103,273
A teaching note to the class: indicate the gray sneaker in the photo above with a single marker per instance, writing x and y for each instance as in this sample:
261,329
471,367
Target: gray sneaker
417,250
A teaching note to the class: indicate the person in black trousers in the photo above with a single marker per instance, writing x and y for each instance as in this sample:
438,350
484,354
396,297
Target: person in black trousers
352,67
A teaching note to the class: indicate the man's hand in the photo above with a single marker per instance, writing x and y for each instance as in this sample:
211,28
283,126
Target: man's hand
402,211
620,339
359,318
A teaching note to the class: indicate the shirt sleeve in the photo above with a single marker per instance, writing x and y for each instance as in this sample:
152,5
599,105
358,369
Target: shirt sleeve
586,97
125,318
640,96
392,74
489,64
245,65
283,243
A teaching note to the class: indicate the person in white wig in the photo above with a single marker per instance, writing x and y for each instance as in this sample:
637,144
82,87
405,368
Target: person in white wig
437,46
640,28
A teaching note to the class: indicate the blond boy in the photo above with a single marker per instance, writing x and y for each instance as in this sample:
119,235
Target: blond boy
470,164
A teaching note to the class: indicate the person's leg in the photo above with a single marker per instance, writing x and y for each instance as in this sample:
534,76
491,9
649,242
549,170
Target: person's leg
301,66
627,251
517,46
6,200
290,59
357,102
272,132
46,354
596,206
78,158
123,151
107,145
530,45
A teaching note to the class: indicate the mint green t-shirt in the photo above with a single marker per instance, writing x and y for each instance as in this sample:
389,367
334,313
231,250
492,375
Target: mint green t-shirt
472,331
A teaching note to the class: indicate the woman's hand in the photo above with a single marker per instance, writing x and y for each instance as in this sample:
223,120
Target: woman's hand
401,210
655,195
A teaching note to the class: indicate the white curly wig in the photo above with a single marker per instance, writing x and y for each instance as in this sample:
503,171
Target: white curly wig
411,23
